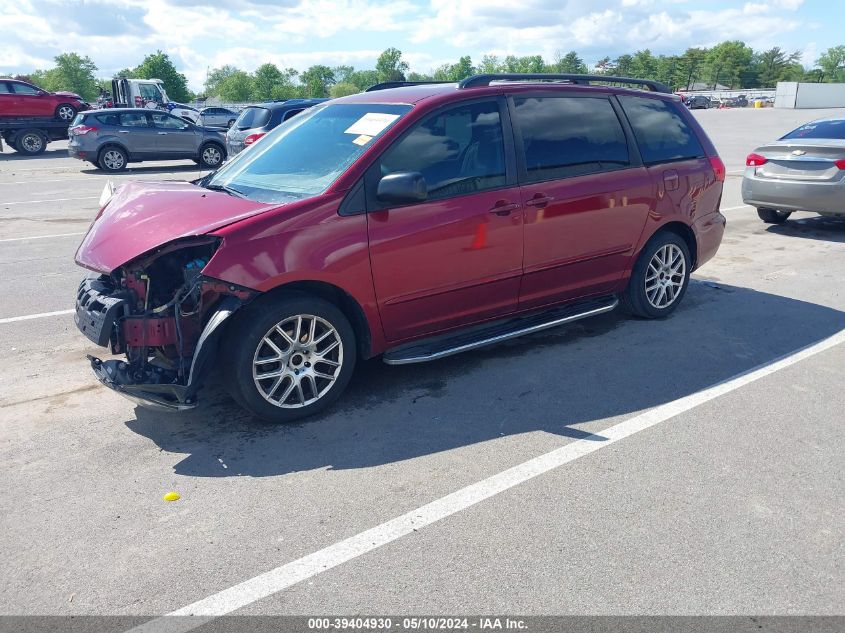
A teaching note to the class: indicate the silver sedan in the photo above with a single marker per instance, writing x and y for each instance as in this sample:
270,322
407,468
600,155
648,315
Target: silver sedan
802,171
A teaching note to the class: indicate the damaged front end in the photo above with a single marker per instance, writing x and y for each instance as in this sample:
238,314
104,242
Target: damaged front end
164,316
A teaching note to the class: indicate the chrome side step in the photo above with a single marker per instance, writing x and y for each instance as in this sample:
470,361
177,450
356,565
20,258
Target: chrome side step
455,343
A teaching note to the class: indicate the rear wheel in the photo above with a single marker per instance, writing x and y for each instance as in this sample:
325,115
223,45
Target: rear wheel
31,143
65,112
289,356
773,216
660,277
112,158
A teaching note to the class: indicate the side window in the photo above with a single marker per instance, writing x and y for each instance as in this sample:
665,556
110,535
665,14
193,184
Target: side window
570,136
458,151
149,92
25,89
168,122
4,88
661,133
108,119
133,119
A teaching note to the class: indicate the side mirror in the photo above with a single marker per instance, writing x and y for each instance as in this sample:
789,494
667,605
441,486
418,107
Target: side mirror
404,187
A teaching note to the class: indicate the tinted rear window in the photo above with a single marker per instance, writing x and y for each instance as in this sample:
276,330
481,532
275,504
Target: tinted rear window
820,129
253,117
570,136
661,133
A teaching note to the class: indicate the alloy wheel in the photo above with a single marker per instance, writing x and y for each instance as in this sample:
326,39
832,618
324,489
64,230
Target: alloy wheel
113,159
665,276
32,143
298,361
66,113
211,156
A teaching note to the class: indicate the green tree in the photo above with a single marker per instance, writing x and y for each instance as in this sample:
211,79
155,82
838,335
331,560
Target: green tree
73,73
342,74
489,64
264,80
692,66
317,80
217,75
236,87
643,65
159,66
390,66
775,65
604,66
343,89
569,63
728,63
363,79
527,64
455,72
832,64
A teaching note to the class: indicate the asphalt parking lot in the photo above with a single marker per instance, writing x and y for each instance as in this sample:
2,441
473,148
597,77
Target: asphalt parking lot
656,500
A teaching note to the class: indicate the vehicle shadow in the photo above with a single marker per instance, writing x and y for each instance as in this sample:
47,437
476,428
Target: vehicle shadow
566,381
814,228
8,154
192,169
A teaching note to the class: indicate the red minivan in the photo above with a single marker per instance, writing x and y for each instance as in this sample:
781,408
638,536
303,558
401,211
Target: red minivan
411,222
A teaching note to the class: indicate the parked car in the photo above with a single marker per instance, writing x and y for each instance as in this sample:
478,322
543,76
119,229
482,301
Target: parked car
22,99
255,121
802,171
217,117
413,223
741,101
115,137
699,102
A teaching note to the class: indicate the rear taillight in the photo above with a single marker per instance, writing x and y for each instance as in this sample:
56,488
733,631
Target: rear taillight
718,168
79,130
840,163
249,140
755,160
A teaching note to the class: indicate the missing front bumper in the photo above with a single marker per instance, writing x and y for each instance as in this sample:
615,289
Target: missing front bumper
114,374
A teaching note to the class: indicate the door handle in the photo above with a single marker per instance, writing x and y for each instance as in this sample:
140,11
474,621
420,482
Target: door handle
503,207
162,133
539,200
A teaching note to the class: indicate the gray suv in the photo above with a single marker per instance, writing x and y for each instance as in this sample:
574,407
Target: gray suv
113,137
255,121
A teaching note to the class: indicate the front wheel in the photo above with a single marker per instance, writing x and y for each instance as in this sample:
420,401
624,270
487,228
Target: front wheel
210,156
773,216
659,278
289,356
65,112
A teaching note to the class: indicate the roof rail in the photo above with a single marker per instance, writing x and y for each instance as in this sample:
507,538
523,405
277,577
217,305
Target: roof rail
485,80
385,85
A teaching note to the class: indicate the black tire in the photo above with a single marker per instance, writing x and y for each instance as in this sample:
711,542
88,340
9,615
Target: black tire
211,155
244,341
112,158
65,112
773,216
635,299
30,143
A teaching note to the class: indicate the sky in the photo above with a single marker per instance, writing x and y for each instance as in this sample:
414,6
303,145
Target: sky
203,34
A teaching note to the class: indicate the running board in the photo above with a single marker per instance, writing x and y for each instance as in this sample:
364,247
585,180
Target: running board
455,343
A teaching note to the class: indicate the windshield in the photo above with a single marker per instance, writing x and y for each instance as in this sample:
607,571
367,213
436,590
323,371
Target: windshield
253,117
819,129
306,154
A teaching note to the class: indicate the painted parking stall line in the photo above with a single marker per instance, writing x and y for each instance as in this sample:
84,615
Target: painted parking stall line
9,204
289,574
40,237
29,317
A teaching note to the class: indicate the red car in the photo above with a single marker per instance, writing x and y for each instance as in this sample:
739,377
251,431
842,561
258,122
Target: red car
20,99
412,222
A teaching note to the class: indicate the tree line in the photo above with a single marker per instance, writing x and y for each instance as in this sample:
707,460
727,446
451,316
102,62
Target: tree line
732,63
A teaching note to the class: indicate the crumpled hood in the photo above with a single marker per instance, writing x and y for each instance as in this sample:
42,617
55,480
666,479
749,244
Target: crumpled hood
144,215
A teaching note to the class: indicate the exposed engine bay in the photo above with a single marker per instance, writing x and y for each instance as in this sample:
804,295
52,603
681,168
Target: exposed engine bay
163,315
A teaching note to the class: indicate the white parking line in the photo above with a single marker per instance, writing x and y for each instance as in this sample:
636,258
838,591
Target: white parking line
8,204
39,237
27,317
285,576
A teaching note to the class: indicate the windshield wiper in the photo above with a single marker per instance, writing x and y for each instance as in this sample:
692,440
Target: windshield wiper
225,189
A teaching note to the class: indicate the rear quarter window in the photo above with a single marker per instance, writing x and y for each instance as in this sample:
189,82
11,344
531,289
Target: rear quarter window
108,119
662,134
253,117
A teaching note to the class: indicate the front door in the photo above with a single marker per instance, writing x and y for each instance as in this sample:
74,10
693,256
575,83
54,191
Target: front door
586,196
138,134
176,138
455,258
30,101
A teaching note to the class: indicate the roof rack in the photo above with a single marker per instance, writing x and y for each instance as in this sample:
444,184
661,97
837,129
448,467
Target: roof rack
385,85
485,80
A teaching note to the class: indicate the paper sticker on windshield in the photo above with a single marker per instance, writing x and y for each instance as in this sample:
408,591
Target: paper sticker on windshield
362,140
371,124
